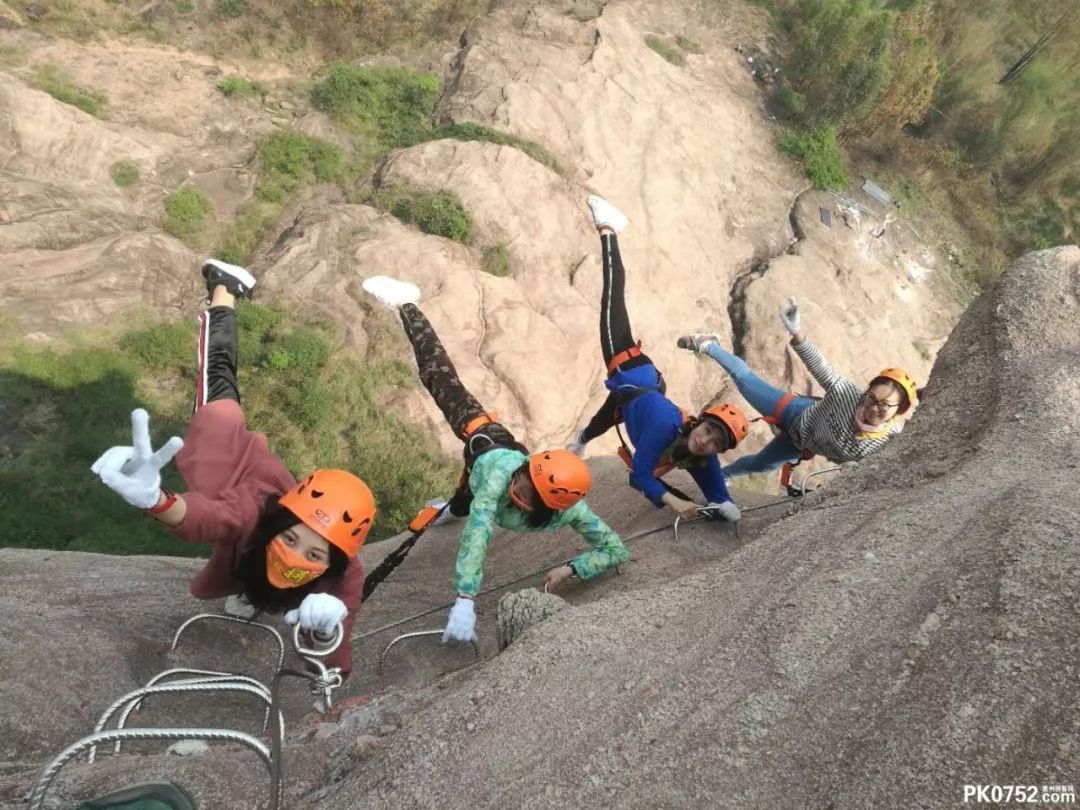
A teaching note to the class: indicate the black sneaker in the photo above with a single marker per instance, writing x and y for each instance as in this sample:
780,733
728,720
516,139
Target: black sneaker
236,280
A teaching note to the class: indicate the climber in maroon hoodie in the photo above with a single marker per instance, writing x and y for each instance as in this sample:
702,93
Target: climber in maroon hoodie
285,546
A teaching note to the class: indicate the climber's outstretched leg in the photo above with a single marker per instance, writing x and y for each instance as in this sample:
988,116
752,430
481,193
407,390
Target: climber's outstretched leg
771,457
217,332
620,350
463,412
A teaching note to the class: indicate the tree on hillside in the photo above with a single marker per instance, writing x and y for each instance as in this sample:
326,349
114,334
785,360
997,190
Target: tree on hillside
913,74
837,58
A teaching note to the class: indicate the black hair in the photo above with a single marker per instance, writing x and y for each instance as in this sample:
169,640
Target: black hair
541,513
251,567
905,401
682,450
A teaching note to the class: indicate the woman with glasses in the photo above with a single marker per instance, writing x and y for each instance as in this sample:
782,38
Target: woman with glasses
847,424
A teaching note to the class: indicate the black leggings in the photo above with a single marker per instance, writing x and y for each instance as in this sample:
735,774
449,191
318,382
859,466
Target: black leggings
217,357
615,334
440,378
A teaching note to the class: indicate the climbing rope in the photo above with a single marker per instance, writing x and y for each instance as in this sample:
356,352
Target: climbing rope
632,538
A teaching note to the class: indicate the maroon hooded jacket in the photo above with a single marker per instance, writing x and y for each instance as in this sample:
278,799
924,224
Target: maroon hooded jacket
230,471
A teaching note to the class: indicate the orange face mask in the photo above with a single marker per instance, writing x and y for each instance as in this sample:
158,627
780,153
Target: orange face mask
286,568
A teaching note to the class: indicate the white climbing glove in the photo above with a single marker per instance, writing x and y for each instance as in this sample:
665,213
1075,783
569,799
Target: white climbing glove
723,511
461,626
319,612
134,472
789,317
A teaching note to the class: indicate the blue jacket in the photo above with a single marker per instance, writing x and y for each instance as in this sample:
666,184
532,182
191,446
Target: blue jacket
653,422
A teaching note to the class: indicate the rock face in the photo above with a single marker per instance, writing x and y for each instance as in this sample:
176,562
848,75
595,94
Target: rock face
912,629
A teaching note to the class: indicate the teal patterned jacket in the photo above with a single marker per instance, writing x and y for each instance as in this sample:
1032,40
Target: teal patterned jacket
491,507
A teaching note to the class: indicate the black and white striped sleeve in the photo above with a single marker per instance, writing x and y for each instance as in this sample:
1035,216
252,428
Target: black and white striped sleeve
816,364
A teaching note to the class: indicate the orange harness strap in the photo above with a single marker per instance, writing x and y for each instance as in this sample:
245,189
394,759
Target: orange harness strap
783,403
663,467
478,422
623,356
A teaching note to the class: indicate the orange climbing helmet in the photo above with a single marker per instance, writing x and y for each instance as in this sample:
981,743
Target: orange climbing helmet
335,504
560,477
905,381
730,417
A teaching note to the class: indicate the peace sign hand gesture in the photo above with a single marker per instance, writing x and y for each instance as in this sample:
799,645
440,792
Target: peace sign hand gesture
134,472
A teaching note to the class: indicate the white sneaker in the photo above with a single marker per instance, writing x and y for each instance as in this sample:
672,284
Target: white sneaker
606,215
391,292
446,515
577,446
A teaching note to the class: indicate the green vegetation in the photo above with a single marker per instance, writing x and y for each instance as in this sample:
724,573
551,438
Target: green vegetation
497,260
970,107
820,154
670,52
688,44
287,161
232,8
239,87
836,57
60,86
435,212
12,55
184,7
478,132
188,213
318,408
125,173
384,108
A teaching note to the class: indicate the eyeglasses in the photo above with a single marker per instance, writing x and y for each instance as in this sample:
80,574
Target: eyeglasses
879,404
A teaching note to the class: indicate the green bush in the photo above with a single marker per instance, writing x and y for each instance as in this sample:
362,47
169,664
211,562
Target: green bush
792,102
435,212
60,86
184,7
302,352
689,45
290,158
125,174
165,347
837,55
386,107
820,154
239,87
1047,226
188,212
665,49
468,131
231,8
287,160
497,260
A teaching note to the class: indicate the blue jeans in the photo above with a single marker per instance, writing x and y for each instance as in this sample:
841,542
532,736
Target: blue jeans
763,398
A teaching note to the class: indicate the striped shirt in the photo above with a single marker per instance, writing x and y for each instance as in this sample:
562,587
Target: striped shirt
827,427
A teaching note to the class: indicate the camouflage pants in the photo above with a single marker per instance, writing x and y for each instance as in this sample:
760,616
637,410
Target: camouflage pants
440,378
